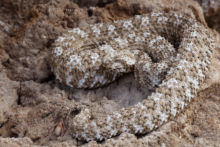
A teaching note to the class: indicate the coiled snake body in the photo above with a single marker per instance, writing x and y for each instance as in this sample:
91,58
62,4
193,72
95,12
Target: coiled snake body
165,50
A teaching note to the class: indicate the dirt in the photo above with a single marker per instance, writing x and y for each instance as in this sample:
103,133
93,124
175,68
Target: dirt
35,109
211,10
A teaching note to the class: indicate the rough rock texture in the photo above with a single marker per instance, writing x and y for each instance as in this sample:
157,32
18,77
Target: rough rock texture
37,105
16,142
8,91
8,97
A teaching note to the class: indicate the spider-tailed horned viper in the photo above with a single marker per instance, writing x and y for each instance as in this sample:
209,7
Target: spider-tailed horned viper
169,51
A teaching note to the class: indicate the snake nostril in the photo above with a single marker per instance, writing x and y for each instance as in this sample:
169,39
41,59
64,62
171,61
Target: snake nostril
90,12
75,112
154,60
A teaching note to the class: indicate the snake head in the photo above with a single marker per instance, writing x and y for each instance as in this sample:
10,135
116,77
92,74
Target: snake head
78,123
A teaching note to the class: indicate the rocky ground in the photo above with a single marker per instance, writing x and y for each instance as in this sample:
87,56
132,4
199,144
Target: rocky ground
35,108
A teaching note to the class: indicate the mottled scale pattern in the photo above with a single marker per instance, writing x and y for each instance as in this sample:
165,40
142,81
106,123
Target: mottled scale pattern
169,51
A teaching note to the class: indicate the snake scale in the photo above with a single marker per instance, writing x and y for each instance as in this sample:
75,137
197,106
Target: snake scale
168,51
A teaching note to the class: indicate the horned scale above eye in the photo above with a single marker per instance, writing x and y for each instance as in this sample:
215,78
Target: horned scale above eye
165,50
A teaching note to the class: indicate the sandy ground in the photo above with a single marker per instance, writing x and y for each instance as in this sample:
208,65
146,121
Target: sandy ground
33,105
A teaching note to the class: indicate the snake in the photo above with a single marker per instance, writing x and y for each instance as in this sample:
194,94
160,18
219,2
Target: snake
167,51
